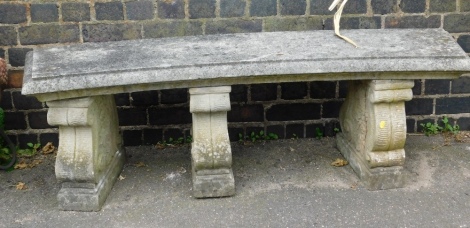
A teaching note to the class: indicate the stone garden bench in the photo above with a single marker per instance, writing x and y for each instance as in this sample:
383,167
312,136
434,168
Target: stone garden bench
78,82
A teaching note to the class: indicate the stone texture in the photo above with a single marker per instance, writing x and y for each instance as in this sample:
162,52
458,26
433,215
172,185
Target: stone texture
211,155
122,99
413,6
44,138
172,29
8,35
172,115
373,123
132,137
132,116
75,11
152,136
174,96
413,22
49,33
331,109
443,5
434,87
294,90
170,9
464,42
311,130
263,8
16,56
343,89
452,105
284,112
461,85
457,23
355,7
233,26
234,133
144,98
24,139
108,32
44,12
465,6
202,9
419,106
355,23
264,92
239,93
276,129
464,123
320,7
293,7
246,113
417,88
273,24
21,102
15,120
173,134
295,131
109,11
410,125
331,127
384,6
232,8
6,102
87,172
38,120
139,10
202,59
12,13
320,90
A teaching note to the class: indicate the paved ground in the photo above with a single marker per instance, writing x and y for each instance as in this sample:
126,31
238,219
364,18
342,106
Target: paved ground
285,183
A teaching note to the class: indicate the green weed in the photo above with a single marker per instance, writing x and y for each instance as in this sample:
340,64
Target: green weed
253,136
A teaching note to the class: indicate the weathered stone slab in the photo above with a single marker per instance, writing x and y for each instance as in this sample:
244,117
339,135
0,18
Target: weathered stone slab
53,73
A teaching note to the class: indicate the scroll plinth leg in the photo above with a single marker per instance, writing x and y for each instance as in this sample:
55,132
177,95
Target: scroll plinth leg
90,154
211,152
373,123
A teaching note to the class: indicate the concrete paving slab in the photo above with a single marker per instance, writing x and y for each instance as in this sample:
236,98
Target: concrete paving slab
282,183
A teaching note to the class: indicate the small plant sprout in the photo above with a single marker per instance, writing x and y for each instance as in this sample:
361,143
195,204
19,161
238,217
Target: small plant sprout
454,129
318,133
430,128
261,135
171,142
30,151
433,129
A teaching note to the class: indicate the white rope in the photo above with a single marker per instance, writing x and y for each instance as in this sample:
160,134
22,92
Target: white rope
337,18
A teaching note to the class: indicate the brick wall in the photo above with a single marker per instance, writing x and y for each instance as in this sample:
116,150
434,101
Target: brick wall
285,109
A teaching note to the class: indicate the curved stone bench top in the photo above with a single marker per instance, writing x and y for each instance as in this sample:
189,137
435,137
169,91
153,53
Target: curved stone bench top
90,69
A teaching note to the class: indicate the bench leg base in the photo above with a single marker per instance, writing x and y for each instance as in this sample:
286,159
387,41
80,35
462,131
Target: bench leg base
211,154
90,155
379,178
373,125
87,196
213,185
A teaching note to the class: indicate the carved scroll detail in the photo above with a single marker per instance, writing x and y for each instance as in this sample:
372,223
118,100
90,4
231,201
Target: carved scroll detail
373,122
